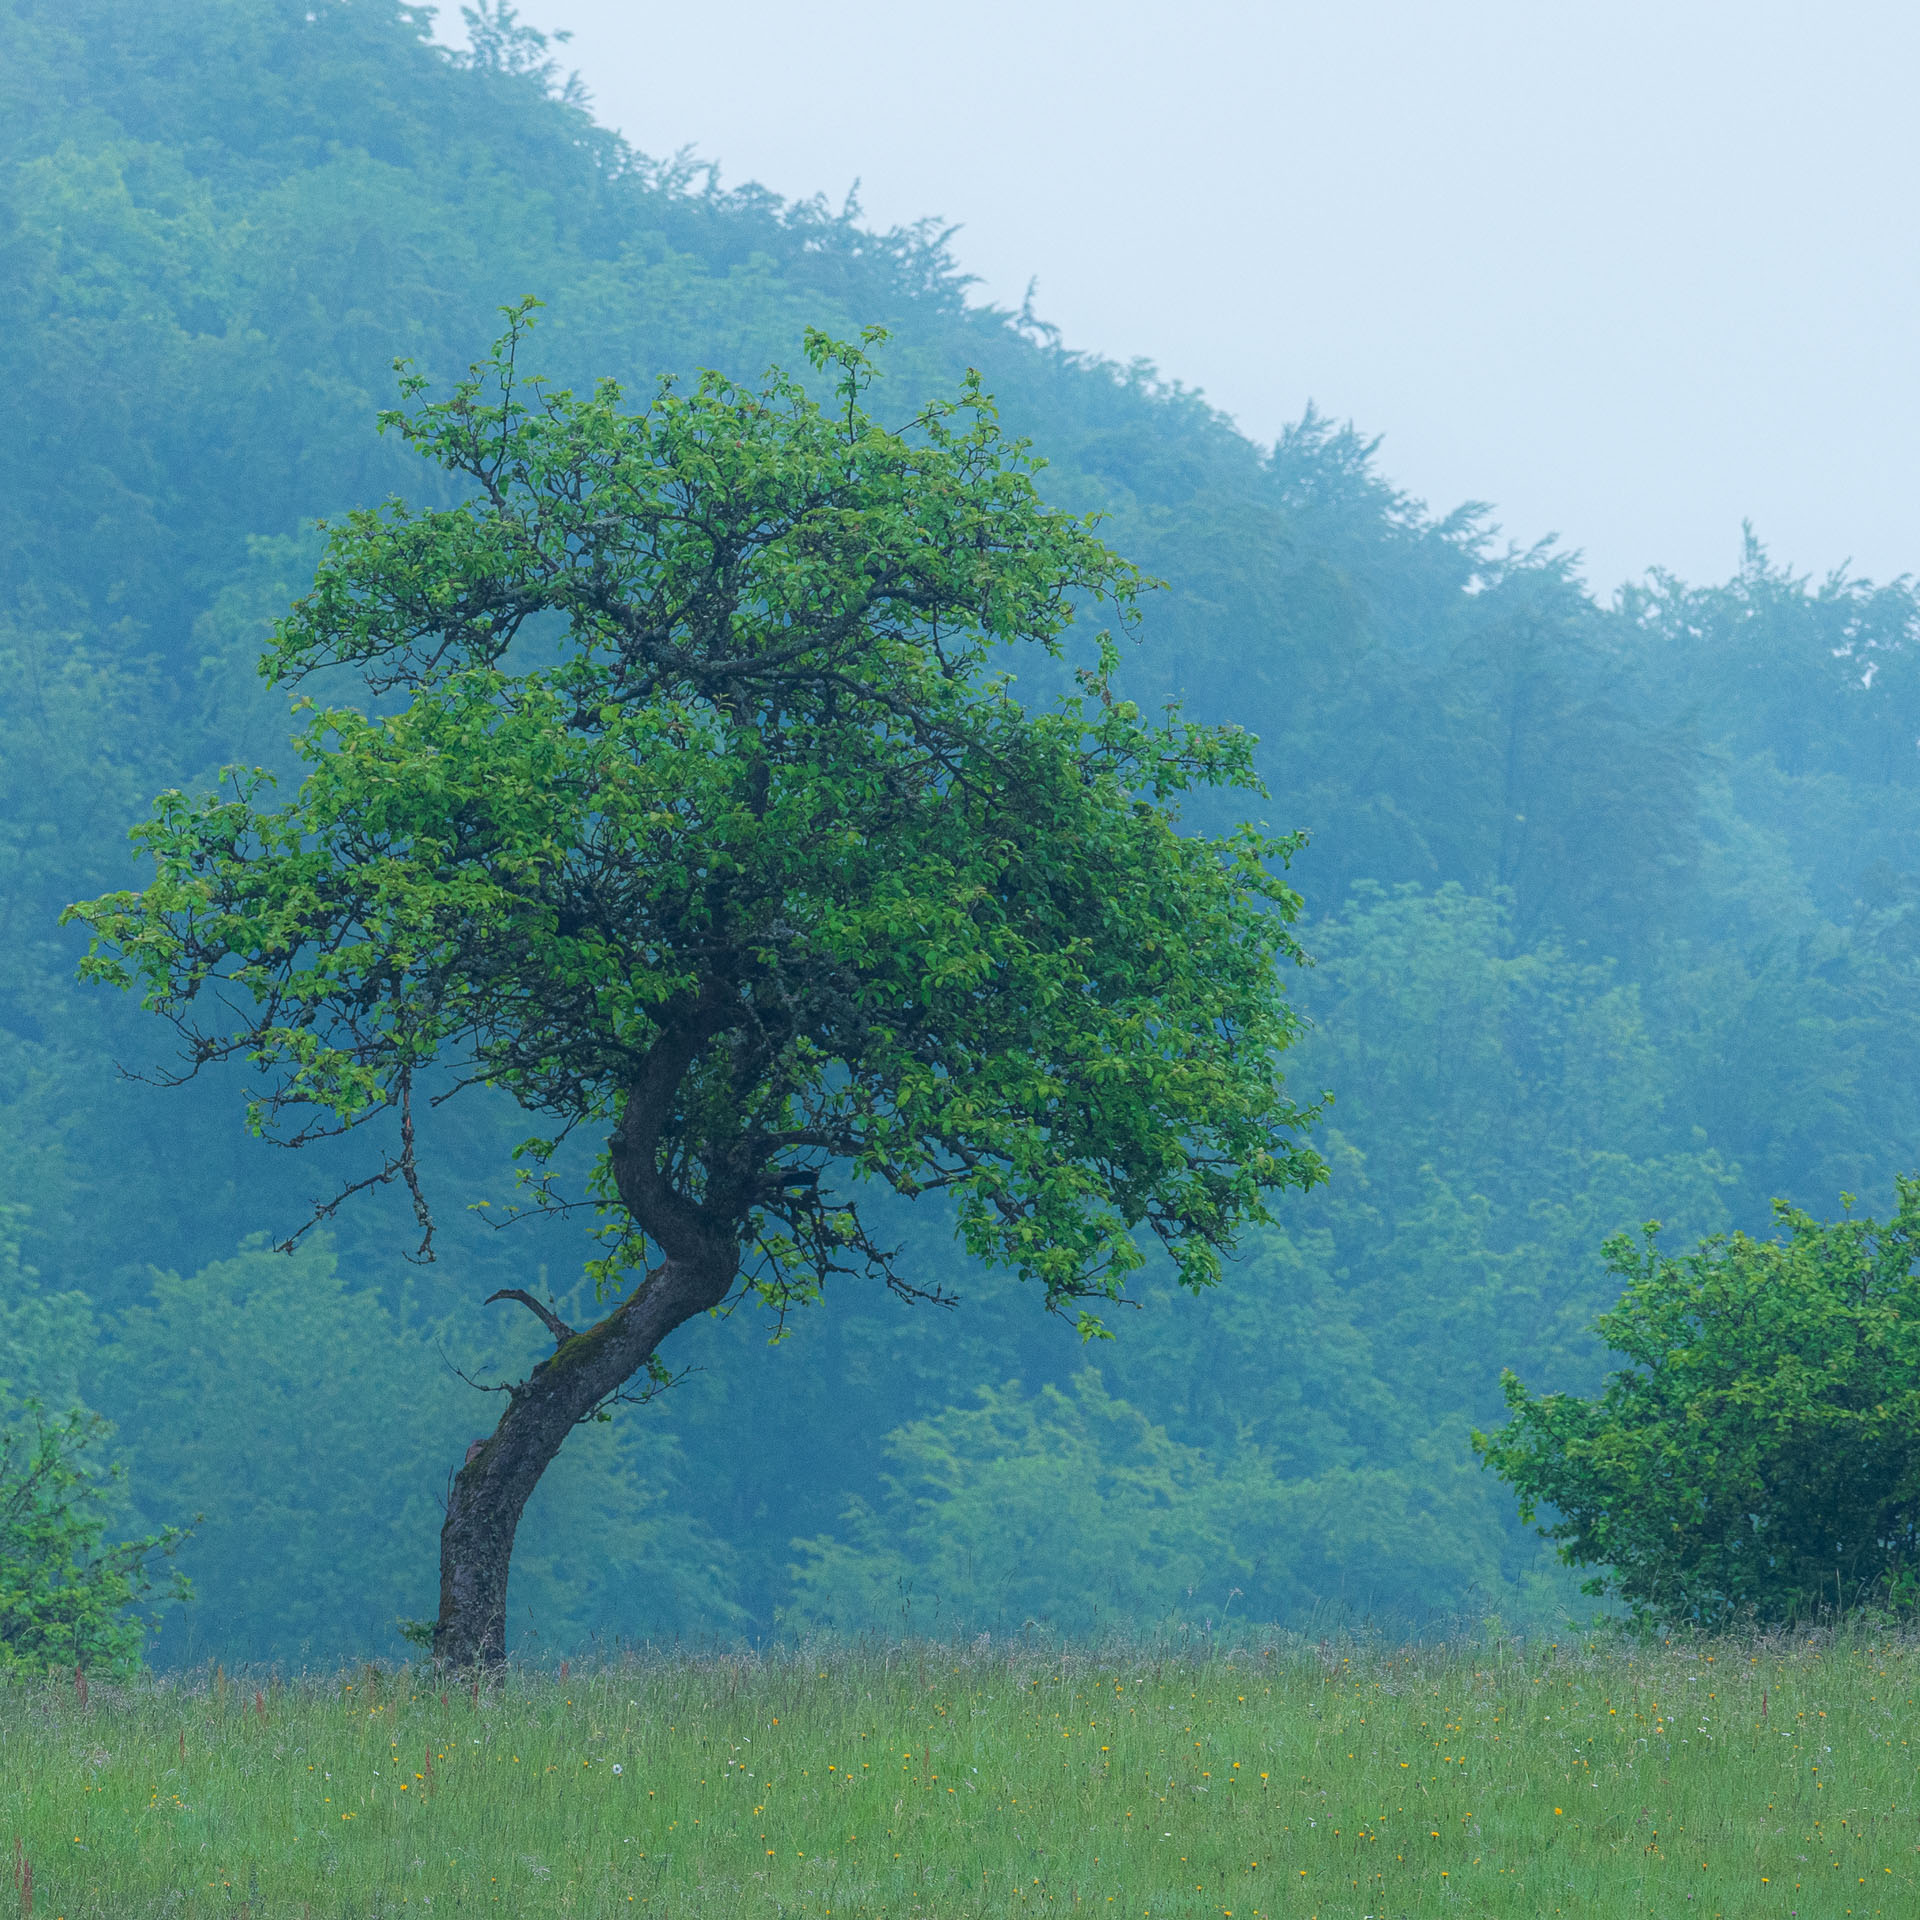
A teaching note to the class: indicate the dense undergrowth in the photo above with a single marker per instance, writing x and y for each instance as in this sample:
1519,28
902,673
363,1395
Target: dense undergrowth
1279,1777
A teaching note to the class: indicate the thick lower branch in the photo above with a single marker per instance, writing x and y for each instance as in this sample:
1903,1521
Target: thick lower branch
561,1332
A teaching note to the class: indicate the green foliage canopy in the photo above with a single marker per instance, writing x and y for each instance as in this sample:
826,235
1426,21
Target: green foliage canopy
1761,1457
710,812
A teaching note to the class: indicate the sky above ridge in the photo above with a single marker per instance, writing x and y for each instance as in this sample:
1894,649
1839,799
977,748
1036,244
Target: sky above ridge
1631,272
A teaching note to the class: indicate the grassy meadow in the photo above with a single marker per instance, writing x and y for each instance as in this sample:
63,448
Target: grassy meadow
1339,1779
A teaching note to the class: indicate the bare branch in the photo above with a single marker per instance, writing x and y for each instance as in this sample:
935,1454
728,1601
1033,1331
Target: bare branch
629,1396
479,1386
561,1332
409,1169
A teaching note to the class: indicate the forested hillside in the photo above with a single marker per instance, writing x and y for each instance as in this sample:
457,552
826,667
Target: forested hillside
1615,906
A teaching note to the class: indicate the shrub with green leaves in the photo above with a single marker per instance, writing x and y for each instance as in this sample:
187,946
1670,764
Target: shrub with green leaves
1760,1458
65,1592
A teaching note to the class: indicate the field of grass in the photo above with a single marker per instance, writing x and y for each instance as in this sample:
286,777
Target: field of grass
1770,1778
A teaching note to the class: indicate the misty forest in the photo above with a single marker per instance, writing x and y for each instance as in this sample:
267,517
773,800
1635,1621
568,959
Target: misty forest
1609,913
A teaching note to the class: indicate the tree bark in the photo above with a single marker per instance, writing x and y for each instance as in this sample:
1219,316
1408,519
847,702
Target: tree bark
491,1491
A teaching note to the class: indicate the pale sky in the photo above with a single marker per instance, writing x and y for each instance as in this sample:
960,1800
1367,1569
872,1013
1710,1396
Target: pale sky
1630,272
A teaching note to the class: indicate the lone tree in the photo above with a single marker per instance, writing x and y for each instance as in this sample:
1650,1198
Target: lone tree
1760,1458
705,813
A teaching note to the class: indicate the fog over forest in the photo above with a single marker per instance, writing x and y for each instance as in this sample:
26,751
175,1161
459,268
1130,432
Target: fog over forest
1614,908
1562,258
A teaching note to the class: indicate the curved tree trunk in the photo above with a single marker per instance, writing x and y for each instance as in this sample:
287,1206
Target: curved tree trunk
491,1490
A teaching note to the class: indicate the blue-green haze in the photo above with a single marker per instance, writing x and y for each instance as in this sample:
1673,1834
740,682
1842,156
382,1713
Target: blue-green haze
1615,909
